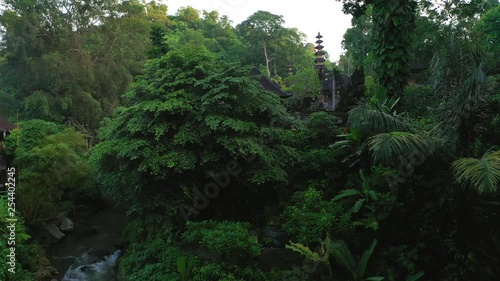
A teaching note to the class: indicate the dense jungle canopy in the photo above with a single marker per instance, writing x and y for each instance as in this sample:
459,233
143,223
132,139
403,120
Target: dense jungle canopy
176,118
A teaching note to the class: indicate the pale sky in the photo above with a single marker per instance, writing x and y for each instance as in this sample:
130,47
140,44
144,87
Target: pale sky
304,15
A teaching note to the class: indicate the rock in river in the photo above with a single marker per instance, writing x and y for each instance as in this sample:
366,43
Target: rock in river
66,223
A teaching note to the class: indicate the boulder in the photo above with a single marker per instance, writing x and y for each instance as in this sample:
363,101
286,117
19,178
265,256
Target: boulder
45,273
278,235
45,270
66,224
54,231
43,261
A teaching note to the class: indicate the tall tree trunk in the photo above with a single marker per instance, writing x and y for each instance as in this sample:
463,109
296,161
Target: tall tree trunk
267,60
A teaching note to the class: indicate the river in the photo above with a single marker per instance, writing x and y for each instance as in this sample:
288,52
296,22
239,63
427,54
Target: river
89,253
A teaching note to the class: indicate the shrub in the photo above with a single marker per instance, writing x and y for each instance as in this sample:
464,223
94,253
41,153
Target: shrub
54,172
310,217
214,272
154,260
26,250
231,240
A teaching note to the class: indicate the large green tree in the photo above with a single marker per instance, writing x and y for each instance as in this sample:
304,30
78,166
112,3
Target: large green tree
72,58
272,43
357,42
488,28
51,168
191,120
261,29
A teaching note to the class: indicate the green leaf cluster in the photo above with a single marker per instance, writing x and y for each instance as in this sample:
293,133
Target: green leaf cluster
187,117
26,249
232,241
310,218
51,168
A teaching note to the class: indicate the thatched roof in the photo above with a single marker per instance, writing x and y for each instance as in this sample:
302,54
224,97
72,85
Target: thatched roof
267,84
6,125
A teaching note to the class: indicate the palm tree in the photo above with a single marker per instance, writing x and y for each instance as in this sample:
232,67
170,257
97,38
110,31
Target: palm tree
395,147
460,79
481,174
378,116
391,136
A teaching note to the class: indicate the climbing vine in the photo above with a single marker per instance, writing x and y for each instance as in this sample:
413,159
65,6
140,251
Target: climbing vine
393,23
393,26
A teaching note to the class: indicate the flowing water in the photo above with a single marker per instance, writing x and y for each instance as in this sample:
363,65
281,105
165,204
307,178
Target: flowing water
87,268
89,253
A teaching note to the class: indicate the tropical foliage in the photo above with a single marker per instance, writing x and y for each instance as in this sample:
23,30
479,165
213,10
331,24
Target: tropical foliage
176,118
52,170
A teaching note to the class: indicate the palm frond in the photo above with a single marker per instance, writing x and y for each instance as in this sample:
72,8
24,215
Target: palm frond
459,77
373,118
396,147
452,63
342,255
363,262
481,174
